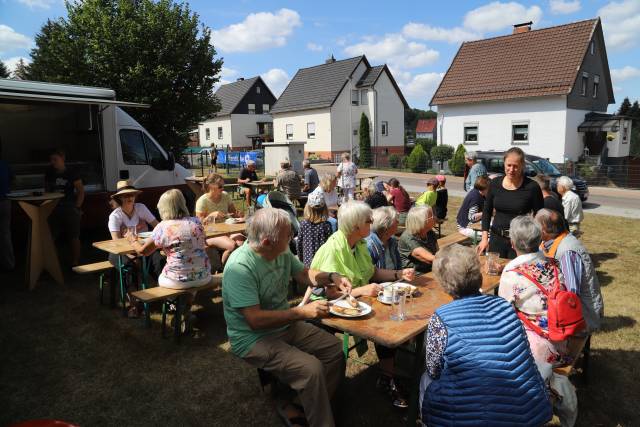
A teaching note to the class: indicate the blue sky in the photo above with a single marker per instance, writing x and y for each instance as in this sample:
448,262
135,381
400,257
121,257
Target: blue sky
416,39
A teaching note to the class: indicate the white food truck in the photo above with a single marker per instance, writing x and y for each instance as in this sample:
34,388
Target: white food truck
99,138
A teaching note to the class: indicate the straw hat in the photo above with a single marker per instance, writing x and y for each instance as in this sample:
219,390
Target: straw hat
124,187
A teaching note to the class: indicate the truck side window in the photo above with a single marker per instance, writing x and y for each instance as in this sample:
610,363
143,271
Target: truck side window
156,157
133,152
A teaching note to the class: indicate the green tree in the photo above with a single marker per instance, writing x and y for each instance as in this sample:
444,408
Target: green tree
427,144
634,113
417,159
21,71
457,163
441,153
4,71
411,117
154,52
624,107
394,160
365,142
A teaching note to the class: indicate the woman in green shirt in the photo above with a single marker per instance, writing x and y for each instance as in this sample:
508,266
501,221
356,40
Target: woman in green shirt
346,253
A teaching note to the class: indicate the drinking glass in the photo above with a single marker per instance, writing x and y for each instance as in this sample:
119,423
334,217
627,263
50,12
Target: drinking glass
493,266
399,303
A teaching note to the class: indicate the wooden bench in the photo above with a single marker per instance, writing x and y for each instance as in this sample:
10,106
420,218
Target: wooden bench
451,239
577,346
167,296
99,268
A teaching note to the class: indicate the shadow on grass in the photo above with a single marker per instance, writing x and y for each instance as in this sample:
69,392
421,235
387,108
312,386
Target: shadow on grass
613,323
590,205
599,258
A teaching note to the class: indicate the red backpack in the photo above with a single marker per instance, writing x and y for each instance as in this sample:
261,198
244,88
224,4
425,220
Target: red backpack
564,310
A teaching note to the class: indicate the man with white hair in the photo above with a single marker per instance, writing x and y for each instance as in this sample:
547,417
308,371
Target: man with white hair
247,175
288,181
475,170
269,334
571,204
575,263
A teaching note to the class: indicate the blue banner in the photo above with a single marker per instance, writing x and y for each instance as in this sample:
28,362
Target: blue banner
237,158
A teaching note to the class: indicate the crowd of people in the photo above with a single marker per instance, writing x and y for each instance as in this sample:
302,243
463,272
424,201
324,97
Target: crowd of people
476,345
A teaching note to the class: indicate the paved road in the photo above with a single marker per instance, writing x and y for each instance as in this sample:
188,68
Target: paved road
603,201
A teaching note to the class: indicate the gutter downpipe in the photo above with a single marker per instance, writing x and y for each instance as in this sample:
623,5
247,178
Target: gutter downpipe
350,117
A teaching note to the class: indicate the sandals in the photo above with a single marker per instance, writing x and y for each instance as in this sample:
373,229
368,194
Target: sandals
287,419
389,386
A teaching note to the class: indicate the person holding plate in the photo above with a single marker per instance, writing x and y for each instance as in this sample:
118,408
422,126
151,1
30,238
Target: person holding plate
214,206
346,254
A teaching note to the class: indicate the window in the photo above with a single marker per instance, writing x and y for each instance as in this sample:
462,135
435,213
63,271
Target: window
495,165
132,144
289,131
355,132
592,47
385,128
257,89
596,83
252,108
311,130
470,133
265,108
207,134
584,84
355,94
363,97
520,133
155,156
220,132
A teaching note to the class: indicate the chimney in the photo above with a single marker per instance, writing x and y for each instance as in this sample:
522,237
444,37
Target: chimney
330,60
525,27
239,79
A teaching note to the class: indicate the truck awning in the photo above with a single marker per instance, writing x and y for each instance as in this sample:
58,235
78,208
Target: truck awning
67,99
599,125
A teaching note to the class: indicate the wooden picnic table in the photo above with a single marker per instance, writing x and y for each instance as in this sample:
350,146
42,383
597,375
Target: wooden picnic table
362,176
41,250
224,229
196,185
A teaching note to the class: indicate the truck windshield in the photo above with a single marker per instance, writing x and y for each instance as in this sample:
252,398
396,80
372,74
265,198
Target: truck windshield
546,167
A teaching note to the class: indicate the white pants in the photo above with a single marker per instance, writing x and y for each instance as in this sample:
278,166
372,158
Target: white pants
165,282
348,193
469,232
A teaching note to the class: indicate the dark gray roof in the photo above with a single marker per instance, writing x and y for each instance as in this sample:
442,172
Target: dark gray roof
370,76
316,87
232,93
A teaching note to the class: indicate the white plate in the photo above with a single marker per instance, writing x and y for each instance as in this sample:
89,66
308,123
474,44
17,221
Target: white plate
384,301
364,309
145,234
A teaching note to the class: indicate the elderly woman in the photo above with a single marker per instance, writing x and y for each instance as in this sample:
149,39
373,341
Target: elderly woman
571,204
214,206
346,253
475,347
509,196
418,243
381,242
372,196
347,171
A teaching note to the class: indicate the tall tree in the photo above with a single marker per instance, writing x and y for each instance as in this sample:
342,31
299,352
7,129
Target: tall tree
4,71
154,52
624,107
365,142
21,71
634,113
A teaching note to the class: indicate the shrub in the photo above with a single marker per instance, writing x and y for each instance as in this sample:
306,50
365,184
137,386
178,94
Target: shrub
394,161
441,153
418,159
457,163
427,144
365,142
404,162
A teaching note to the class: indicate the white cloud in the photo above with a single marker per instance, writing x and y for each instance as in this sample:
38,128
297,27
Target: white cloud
394,50
563,7
13,61
497,16
277,79
37,4
620,23
314,47
227,75
624,73
258,31
11,40
427,32
421,86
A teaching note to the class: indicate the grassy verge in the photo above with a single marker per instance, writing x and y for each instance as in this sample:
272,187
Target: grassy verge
65,357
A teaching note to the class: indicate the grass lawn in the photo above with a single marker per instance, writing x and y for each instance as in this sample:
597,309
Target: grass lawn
65,357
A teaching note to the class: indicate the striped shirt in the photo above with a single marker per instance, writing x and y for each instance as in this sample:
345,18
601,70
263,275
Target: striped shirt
571,267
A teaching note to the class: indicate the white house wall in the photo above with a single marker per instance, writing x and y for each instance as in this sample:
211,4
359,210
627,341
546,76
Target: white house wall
243,125
299,120
342,119
547,117
391,110
574,146
213,125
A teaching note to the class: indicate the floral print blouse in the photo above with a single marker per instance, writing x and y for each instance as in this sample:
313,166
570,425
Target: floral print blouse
183,241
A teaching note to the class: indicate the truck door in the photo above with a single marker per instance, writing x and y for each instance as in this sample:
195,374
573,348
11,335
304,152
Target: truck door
142,161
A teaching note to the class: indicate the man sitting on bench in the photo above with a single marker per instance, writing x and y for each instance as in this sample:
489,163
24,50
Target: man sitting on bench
268,334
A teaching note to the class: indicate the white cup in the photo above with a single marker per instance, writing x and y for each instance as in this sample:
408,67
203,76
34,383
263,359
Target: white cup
386,292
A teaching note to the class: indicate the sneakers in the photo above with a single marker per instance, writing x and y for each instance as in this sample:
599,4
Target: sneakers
389,386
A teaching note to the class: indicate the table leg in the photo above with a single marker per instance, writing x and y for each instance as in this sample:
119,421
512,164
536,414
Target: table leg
145,277
418,368
41,243
112,288
123,294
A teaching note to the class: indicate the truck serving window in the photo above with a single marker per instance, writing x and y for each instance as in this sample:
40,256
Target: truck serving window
133,152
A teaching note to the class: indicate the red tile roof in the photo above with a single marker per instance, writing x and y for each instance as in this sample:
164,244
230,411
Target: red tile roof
534,63
425,125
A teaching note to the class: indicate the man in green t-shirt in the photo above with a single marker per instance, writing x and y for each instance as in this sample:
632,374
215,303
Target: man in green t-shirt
266,332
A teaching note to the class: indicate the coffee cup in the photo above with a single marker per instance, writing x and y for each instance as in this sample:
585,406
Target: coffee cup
386,293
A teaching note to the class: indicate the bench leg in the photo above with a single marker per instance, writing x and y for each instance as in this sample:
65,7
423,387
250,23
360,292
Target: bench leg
345,345
145,278
177,326
100,287
123,295
164,318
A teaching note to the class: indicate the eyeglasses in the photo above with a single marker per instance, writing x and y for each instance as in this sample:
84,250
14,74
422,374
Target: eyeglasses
369,221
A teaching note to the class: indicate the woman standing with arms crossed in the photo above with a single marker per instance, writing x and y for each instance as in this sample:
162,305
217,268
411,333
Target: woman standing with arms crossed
510,195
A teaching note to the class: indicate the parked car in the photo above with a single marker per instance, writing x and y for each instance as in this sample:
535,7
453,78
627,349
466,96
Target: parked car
493,161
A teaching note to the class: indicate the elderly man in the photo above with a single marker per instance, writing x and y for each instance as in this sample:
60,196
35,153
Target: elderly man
475,170
311,179
247,175
267,333
288,181
576,265
571,204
